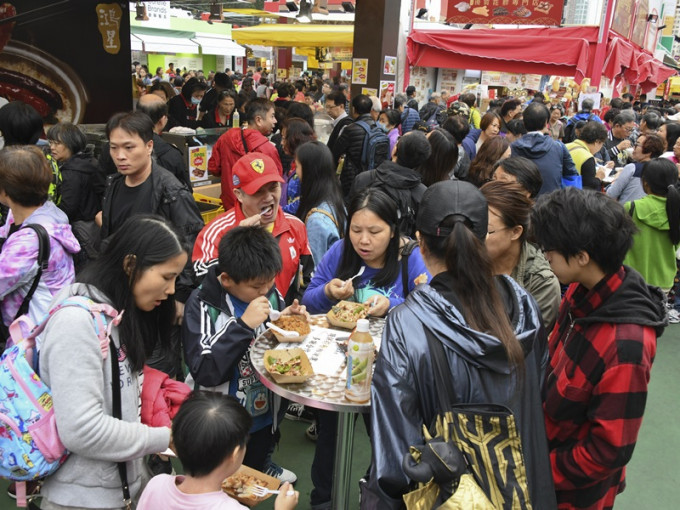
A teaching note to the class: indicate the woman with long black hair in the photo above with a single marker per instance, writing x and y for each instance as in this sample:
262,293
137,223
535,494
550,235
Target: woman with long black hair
136,276
657,217
321,206
491,334
371,241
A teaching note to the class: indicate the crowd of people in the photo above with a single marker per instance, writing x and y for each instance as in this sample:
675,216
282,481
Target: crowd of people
448,221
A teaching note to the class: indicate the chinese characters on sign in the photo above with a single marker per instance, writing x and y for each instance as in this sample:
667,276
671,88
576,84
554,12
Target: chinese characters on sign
108,19
520,12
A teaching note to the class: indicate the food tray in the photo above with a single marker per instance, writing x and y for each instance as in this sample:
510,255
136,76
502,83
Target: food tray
285,339
335,321
269,482
285,355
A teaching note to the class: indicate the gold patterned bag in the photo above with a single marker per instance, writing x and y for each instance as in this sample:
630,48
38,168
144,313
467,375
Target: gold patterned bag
472,458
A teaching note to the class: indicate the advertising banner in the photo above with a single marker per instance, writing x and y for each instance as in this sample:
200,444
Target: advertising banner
387,93
511,80
70,61
518,12
360,71
198,162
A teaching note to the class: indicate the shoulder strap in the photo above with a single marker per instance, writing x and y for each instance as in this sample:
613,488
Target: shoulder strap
322,211
118,413
632,208
43,261
99,312
406,251
364,146
443,380
243,137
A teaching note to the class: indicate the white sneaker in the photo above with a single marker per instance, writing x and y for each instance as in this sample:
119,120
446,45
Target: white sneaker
673,316
283,474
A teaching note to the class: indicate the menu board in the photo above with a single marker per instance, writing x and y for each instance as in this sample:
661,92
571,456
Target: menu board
518,12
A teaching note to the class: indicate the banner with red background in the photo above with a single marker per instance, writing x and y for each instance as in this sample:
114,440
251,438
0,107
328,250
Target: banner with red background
518,12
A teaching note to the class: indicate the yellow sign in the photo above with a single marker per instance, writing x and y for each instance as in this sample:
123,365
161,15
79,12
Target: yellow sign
108,21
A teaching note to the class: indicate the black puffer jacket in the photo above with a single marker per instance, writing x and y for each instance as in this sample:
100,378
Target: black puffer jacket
404,397
351,143
79,200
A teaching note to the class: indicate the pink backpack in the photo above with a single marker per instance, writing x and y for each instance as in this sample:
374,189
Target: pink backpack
30,448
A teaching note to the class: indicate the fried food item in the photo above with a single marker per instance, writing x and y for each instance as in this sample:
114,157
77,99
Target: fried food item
239,484
296,323
481,11
500,11
543,7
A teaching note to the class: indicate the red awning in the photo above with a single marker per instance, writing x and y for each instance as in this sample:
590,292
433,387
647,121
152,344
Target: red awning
562,51
501,50
637,67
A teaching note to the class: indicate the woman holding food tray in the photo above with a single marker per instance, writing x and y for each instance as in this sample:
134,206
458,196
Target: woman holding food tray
366,266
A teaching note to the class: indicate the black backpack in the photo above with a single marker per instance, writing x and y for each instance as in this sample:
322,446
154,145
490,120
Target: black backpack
406,213
569,134
376,146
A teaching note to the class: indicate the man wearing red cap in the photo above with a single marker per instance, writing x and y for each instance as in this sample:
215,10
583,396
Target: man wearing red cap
235,143
256,185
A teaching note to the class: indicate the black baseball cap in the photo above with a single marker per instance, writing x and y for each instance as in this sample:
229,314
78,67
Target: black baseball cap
452,198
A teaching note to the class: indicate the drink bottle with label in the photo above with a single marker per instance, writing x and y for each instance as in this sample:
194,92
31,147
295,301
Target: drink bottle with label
360,352
236,119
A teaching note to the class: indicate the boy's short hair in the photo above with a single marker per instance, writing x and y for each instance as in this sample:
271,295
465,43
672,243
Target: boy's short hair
572,220
249,253
258,107
207,429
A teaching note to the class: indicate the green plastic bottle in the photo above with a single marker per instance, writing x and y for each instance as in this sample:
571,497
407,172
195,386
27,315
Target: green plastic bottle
360,352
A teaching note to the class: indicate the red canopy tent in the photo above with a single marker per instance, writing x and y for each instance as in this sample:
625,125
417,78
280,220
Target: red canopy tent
562,51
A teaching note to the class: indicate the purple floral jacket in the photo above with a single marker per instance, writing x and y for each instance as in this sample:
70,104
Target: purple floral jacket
19,262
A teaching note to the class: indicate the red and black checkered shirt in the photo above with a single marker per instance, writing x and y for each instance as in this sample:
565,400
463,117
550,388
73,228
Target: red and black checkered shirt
596,390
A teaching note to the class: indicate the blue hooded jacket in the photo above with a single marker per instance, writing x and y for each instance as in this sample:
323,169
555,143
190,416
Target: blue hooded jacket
551,157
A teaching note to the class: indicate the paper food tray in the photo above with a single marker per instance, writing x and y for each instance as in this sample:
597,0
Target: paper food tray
244,471
285,355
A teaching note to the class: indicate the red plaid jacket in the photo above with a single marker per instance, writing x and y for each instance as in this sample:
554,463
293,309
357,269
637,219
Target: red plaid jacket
601,354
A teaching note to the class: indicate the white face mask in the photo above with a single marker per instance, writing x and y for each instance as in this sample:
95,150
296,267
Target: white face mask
195,100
